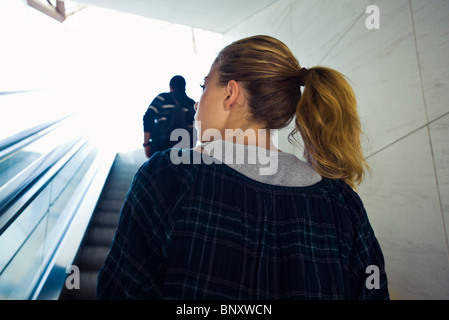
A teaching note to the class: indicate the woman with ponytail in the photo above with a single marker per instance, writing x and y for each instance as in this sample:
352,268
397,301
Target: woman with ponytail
220,227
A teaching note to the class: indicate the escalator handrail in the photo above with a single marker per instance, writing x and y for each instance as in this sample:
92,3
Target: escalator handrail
15,202
21,139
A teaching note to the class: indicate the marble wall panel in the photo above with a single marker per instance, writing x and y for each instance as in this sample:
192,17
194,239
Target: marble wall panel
276,21
382,67
439,132
431,21
319,25
401,199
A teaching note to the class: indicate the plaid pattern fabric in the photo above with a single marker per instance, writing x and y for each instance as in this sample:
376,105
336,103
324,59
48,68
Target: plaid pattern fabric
198,231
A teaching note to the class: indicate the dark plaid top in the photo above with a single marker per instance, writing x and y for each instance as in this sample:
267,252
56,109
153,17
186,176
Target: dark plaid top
204,231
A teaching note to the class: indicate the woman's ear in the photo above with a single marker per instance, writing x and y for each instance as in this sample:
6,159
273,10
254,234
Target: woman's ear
234,93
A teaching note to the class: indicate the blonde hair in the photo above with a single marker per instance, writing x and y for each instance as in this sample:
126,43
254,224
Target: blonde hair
326,112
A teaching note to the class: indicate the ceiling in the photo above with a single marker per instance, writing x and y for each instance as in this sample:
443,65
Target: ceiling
212,15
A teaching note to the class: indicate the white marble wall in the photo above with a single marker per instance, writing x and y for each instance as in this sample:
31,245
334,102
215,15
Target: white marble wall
399,74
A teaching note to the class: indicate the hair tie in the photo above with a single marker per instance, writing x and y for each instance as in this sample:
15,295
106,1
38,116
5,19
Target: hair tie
302,75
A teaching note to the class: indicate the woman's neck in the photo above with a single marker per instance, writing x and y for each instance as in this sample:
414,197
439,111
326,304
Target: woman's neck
253,136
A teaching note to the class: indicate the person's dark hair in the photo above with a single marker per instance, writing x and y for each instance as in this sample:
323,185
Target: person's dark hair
326,112
178,83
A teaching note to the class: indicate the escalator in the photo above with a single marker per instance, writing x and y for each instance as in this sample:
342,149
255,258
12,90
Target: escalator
61,191
98,237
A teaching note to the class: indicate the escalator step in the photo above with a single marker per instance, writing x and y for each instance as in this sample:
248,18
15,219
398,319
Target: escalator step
114,194
98,238
106,219
101,236
118,185
88,285
127,176
92,257
111,205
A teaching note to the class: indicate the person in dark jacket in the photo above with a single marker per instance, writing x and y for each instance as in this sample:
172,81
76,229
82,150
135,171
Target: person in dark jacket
217,226
160,115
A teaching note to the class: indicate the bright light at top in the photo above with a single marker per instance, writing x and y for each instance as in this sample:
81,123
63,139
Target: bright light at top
110,64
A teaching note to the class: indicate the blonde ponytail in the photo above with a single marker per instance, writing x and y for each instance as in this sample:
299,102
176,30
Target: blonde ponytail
327,119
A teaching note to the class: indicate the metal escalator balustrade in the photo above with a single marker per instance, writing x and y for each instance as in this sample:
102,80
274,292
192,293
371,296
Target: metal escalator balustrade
28,242
25,166
51,176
